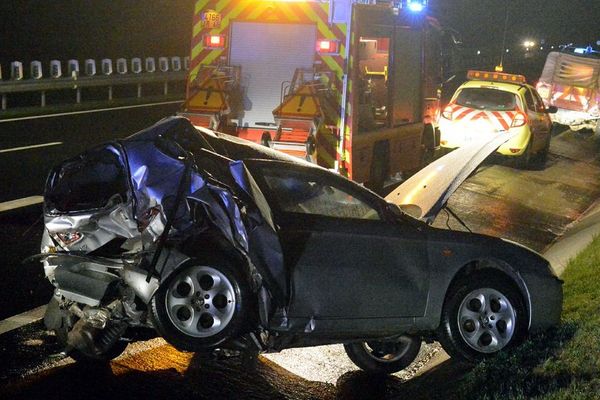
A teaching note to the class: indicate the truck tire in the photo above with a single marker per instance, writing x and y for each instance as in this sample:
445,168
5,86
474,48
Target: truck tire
379,167
266,140
428,144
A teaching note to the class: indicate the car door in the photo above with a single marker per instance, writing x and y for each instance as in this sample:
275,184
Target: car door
544,118
537,119
345,258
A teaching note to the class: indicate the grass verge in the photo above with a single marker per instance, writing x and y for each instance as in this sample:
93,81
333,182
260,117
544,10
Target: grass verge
563,363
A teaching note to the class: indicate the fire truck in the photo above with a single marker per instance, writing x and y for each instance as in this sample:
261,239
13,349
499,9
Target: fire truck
570,81
351,85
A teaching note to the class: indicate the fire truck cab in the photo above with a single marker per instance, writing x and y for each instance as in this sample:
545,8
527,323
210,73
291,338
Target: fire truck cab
350,85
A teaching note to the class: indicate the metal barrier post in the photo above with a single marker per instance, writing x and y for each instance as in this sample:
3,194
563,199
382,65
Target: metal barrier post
139,90
43,98
166,88
78,95
3,102
110,96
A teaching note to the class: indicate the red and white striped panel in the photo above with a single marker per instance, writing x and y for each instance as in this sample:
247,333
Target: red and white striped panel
573,95
499,120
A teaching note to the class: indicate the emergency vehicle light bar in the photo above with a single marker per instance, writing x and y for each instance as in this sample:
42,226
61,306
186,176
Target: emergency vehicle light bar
496,77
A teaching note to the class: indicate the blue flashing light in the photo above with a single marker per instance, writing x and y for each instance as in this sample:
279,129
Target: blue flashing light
416,5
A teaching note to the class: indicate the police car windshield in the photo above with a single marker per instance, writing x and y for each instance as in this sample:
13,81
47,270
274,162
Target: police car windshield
486,99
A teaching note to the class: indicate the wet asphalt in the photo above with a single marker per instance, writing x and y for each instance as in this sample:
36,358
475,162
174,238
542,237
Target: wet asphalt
531,207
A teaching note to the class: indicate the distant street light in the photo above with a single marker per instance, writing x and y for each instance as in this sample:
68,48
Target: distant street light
528,43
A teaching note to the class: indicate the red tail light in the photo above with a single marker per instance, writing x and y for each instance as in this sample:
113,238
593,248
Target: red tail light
325,46
519,120
447,113
214,41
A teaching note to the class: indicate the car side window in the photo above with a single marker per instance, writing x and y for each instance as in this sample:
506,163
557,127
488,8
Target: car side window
298,193
538,101
529,100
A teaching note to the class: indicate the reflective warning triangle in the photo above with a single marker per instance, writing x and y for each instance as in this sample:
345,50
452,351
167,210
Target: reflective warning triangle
209,96
301,104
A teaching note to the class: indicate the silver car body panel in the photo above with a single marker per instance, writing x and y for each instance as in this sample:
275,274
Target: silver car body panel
424,194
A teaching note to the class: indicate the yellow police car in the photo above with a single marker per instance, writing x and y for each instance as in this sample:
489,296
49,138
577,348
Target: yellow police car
499,102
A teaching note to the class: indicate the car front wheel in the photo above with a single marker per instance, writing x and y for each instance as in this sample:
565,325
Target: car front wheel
482,315
384,357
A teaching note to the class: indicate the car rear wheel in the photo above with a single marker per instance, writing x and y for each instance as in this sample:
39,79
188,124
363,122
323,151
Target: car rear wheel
542,156
482,315
200,305
384,357
524,160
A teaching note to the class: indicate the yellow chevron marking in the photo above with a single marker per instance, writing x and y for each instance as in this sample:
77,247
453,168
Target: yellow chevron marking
334,66
196,50
194,72
321,25
200,4
231,15
212,56
197,29
258,10
222,4
343,50
285,8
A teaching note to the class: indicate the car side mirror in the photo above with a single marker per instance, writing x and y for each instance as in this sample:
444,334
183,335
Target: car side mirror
551,110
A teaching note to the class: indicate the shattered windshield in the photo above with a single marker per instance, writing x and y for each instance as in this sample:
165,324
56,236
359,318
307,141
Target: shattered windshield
486,99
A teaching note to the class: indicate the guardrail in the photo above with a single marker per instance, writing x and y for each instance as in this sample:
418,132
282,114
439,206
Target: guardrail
169,70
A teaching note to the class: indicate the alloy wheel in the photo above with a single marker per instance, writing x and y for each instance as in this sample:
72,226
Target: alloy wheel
486,320
200,301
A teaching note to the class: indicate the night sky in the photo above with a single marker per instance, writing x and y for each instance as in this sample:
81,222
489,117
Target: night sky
63,29
481,22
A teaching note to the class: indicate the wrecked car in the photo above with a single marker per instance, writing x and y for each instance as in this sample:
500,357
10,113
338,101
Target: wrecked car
222,246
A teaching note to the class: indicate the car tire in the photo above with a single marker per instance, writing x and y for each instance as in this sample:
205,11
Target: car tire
201,305
524,161
62,334
542,156
266,139
384,357
483,313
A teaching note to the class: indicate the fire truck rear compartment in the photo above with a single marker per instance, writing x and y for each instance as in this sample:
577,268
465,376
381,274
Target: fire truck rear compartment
268,54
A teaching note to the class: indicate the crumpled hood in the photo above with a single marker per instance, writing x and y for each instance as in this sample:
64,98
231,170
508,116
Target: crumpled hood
424,194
